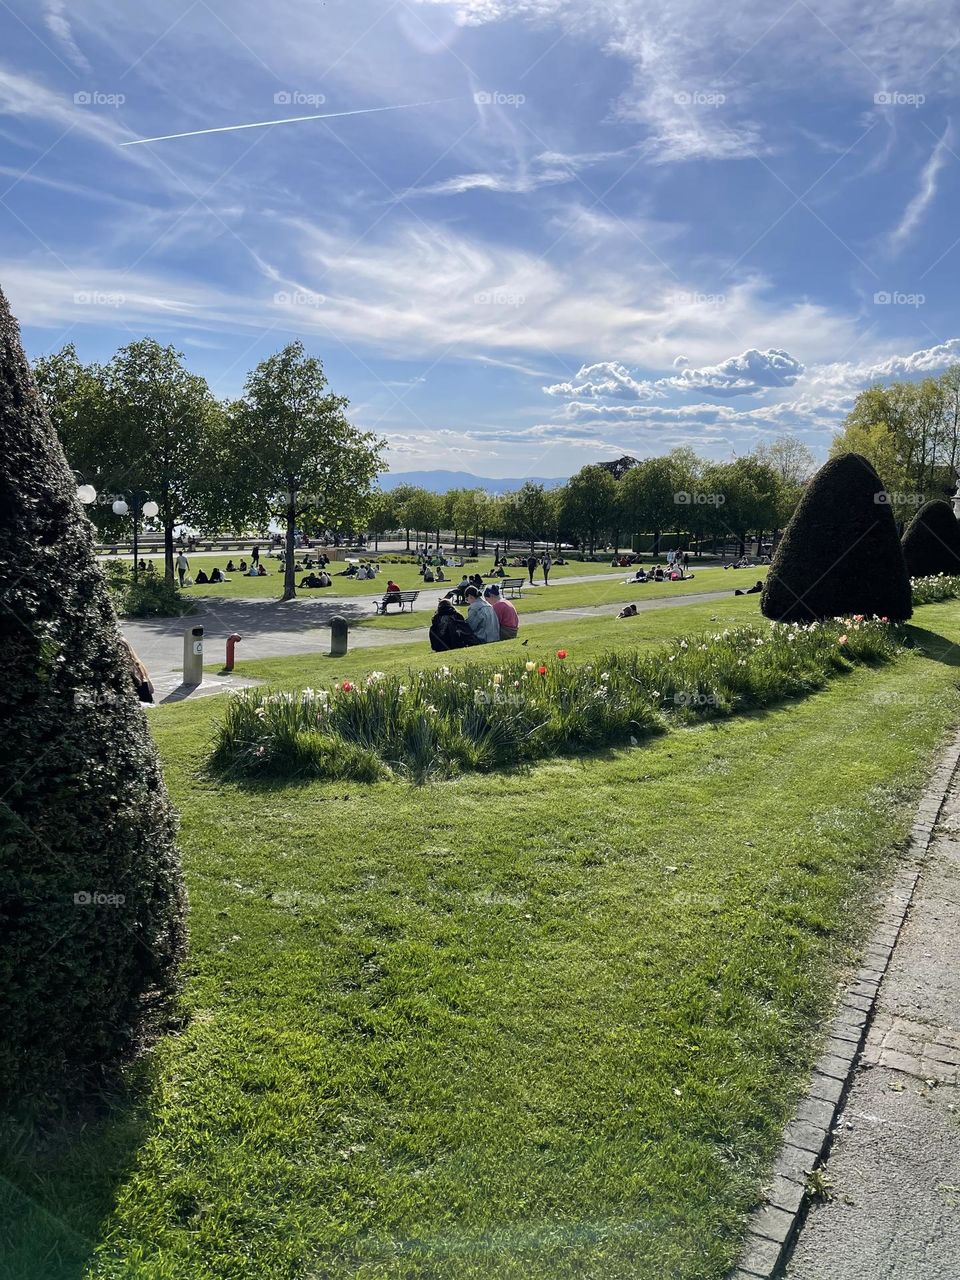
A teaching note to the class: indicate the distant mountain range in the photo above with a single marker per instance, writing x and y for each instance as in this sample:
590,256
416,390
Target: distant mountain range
441,481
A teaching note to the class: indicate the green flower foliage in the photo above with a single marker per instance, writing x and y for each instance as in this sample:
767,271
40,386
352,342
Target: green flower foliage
437,723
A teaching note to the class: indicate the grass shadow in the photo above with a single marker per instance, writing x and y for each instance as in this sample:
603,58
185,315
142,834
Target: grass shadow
935,646
59,1179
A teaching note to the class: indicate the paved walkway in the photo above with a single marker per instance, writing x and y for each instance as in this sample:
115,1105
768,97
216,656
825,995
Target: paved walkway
273,629
895,1166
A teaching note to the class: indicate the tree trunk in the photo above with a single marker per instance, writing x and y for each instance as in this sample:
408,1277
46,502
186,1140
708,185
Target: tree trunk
167,551
408,539
656,543
289,570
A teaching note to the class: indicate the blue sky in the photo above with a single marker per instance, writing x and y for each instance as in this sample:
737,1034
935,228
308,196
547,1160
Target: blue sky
584,227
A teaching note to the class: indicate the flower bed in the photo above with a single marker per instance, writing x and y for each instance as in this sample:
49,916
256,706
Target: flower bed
936,587
443,721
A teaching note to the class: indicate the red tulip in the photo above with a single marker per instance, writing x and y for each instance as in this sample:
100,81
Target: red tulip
561,654
542,670
346,686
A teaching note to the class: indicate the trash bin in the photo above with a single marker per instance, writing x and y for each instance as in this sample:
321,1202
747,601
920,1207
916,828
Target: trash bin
193,656
338,636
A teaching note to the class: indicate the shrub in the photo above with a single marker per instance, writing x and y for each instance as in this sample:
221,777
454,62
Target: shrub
150,596
934,589
435,723
91,903
840,553
931,543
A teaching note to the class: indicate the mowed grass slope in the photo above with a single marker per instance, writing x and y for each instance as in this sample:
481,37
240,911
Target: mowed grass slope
544,1024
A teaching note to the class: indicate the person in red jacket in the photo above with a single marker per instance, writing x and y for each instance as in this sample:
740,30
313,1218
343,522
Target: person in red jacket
507,615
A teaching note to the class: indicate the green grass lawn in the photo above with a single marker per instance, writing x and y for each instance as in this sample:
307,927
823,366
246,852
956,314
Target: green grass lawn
407,576
528,1025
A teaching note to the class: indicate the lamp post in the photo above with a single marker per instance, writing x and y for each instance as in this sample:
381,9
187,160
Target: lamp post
138,506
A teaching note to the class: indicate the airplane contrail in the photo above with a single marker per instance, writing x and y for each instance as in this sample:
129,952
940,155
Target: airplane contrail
264,124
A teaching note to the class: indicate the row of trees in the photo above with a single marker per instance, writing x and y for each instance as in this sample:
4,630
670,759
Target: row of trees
143,424
677,492
910,433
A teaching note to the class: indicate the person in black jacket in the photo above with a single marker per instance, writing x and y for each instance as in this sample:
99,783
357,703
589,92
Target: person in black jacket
449,629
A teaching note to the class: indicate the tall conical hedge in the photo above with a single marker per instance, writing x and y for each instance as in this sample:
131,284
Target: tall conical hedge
931,543
92,906
840,553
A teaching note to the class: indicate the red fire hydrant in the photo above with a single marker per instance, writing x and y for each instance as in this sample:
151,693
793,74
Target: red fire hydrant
231,644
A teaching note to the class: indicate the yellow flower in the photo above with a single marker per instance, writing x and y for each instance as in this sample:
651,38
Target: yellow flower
498,678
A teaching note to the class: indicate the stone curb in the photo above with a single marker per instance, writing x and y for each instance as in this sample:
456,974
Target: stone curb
773,1227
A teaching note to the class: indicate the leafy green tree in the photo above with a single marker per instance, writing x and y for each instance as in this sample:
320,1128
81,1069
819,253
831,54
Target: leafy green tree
530,511
92,905
382,515
301,456
589,504
156,416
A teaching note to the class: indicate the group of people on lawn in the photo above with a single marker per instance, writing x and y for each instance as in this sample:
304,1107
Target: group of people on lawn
489,618
216,574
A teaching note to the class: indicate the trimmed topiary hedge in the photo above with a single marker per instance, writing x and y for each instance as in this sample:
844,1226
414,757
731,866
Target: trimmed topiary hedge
931,543
92,906
840,553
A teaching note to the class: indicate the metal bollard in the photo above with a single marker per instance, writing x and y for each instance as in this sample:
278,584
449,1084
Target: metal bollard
193,656
232,642
338,636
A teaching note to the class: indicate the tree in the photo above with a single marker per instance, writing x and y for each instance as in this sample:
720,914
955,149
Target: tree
840,553
92,903
156,416
530,510
589,500
931,543
300,454
382,515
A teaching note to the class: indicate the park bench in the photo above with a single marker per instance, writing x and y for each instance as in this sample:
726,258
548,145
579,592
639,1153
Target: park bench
512,587
402,598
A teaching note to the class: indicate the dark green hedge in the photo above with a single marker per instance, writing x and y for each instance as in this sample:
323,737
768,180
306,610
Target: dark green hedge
931,543
83,808
840,553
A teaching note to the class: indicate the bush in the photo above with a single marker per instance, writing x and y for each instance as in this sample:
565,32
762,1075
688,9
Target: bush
435,723
92,902
150,596
840,553
934,589
931,543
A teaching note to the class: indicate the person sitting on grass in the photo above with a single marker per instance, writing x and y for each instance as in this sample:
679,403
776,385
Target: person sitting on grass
262,572
427,573
441,576
313,580
201,579
242,566
751,591
481,619
449,629
507,615
231,567
217,575
639,576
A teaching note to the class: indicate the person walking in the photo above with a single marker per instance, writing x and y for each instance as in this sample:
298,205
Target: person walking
531,566
547,566
255,554
183,564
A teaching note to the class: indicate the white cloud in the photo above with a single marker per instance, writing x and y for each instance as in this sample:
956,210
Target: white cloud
605,380
746,374
58,24
924,196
